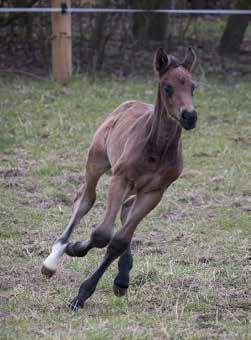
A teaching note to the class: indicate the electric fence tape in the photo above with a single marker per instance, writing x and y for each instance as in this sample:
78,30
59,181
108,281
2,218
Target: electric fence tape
64,9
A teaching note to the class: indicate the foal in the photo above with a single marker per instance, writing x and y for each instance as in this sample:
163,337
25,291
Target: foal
141,144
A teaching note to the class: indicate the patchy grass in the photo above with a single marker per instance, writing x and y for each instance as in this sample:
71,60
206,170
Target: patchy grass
191,253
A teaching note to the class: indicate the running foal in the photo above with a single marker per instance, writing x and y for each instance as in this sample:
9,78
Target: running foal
141,144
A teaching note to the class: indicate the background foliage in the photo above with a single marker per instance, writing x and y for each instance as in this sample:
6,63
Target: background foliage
115,42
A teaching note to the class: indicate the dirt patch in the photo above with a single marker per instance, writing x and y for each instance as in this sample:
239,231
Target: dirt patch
176,238
186,282
75,178
50,202
242,202
203,154
217,179
190,173
141,279
35,249
242,140
155,242
234,293
209,325
204,259
44,203
195,198
176,215
246,208
30,277
12,172
31,187
137,243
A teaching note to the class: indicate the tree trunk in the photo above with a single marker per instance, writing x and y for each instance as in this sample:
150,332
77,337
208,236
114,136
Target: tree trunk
98,40
150,26
235,30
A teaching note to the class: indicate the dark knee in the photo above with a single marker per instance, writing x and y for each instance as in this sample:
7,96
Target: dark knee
78,249
100,239
118,246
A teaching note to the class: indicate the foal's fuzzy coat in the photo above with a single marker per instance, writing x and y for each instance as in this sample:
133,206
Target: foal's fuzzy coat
141,144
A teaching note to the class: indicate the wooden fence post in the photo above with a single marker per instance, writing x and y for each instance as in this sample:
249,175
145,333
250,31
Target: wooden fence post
61,43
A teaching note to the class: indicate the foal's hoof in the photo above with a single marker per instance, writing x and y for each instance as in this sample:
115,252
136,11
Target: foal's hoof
75,304
47,272
77,249
119,291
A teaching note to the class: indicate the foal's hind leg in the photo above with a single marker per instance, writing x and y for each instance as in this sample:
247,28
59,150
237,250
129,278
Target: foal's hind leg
125,263
83,203
81,207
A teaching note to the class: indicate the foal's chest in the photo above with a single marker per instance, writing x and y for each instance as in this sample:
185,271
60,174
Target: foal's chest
159,177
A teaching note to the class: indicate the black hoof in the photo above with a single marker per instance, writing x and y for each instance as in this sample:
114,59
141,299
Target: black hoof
75,304
77,249
47,272
119,291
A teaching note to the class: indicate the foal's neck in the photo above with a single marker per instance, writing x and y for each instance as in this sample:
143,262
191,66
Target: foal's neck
165,132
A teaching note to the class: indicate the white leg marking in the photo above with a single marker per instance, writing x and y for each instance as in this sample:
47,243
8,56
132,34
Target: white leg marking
52,260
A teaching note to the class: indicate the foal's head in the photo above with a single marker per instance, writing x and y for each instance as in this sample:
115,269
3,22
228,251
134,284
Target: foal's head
176,86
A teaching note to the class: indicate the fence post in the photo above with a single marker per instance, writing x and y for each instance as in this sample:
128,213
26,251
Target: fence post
61,43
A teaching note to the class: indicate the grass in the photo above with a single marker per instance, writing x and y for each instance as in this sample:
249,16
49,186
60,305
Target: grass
190,254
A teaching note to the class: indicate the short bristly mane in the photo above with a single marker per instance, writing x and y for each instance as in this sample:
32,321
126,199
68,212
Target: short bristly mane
164,128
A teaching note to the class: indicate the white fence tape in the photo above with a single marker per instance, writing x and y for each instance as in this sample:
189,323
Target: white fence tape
124,10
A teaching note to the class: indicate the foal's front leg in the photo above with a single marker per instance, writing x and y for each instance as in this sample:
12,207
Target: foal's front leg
122,280
125,263
143,204
103,232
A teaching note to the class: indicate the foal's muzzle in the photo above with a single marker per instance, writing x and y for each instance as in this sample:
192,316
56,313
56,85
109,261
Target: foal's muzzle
188,119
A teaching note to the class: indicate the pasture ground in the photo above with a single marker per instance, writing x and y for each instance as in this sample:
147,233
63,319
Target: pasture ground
190,275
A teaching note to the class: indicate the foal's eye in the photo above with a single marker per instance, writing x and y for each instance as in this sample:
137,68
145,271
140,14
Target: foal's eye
193,87
169,90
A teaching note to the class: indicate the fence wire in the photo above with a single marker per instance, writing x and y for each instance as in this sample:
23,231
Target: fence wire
123,10
122,41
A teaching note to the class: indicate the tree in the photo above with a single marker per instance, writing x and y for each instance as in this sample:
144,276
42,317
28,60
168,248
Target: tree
235,30
150,26
8,19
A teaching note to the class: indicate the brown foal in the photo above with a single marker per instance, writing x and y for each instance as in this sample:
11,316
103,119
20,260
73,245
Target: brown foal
141,144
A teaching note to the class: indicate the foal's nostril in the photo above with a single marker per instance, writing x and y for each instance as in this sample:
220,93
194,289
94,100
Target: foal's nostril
190,116
188,119
184,115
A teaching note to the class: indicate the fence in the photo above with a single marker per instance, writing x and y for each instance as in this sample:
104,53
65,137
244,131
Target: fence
118,40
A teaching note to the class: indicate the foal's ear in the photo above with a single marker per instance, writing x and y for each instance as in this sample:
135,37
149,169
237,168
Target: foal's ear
161,61
190,59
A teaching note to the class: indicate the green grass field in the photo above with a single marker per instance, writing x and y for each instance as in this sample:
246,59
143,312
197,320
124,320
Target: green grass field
190,275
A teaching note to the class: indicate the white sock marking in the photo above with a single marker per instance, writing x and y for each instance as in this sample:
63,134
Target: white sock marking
52,261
